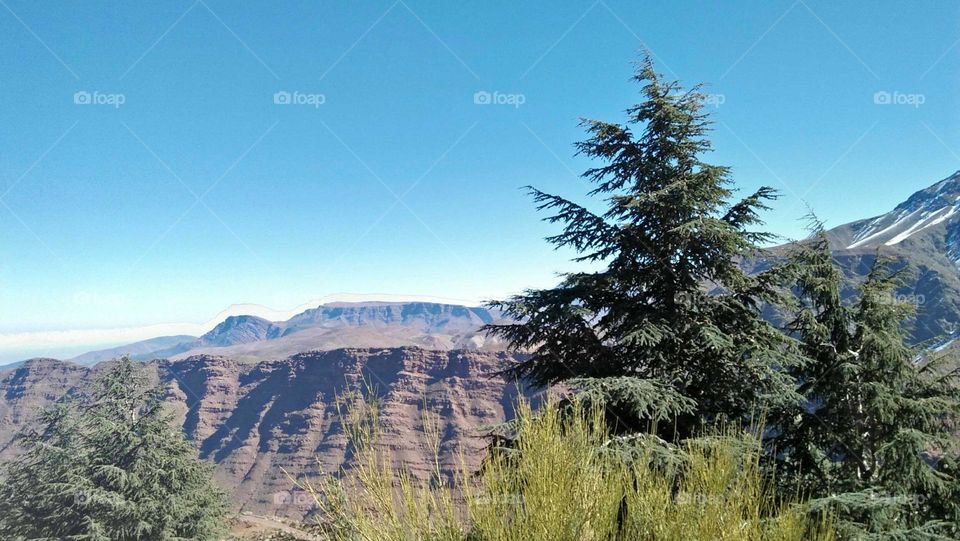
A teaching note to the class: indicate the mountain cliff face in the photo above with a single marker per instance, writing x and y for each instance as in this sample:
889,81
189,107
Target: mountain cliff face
426,317
255,420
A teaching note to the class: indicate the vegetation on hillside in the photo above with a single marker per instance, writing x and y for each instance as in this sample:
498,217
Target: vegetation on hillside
872,440
562,482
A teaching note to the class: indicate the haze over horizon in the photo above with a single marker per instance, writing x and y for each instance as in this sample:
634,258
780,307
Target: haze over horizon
68,343
163,162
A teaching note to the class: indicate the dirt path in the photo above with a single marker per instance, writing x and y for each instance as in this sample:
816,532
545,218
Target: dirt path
266,524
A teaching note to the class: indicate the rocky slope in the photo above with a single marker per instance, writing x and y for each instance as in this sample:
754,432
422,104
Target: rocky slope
255,420
927,213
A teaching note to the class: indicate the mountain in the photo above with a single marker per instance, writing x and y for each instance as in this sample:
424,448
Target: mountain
928,215
255,420
344,325
336,325
238,330
138,350
429,317
65,343
922,235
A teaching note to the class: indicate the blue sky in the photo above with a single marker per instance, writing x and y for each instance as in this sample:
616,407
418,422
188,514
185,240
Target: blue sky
199,191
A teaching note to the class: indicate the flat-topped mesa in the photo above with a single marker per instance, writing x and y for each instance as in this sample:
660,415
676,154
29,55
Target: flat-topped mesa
338,325
425,316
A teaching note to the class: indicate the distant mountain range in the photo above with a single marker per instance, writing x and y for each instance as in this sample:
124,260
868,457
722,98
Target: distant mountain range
249,338
921,234
257,397
254,391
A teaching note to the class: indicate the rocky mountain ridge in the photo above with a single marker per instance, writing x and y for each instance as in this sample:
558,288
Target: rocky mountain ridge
329,326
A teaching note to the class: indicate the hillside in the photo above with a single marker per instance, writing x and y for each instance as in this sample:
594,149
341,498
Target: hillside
251,420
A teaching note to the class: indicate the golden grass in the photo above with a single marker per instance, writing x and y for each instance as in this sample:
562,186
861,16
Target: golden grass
557,485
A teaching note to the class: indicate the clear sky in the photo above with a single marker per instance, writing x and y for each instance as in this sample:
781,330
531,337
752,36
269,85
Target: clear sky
177,186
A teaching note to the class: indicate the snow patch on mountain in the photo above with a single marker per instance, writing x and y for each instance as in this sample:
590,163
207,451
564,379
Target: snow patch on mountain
924,223
923,210
869,233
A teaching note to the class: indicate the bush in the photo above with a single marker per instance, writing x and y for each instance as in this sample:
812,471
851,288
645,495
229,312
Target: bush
563,480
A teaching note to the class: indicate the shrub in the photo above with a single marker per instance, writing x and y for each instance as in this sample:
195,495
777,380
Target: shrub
563,480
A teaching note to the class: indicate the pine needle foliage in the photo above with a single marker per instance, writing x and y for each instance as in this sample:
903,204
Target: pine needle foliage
872,440
671,321
109,465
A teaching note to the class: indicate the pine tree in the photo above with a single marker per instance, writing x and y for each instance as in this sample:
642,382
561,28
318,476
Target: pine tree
109,465
872,439
670,328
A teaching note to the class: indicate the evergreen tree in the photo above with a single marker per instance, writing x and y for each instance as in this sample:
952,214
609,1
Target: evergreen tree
670,328
872,438
109,465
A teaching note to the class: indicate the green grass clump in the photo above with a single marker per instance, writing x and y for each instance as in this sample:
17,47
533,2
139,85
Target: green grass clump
563,481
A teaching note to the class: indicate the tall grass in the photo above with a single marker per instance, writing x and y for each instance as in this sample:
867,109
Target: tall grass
561,482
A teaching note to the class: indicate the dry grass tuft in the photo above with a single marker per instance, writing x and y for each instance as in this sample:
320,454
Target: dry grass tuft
557,485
